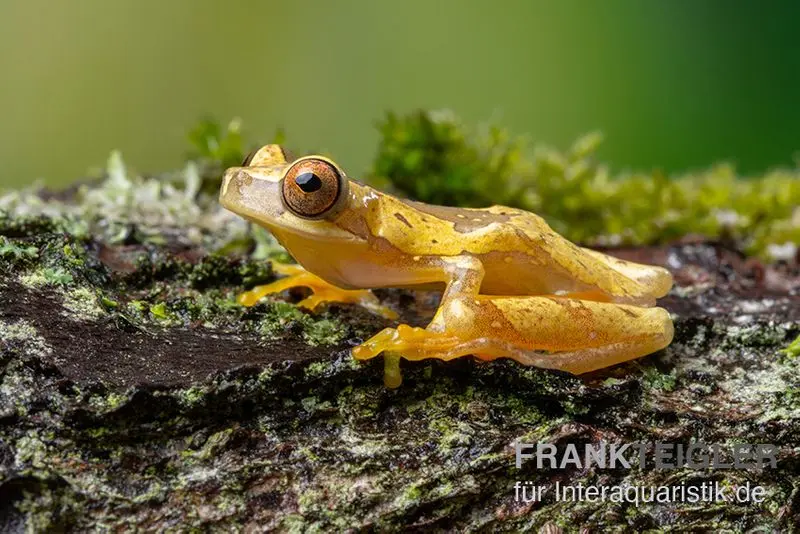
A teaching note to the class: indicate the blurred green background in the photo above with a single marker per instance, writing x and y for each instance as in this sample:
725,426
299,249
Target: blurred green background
674,85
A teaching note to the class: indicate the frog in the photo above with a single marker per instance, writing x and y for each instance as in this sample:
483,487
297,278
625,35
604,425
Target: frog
511,287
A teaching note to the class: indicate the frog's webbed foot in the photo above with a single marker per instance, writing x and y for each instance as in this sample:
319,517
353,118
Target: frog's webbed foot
411,343
323,292
414,343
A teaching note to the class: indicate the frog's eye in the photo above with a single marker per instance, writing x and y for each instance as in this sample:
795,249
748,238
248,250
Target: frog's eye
312,188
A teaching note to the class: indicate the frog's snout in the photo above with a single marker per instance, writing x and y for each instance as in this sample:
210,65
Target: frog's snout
251,194
231,177
237,187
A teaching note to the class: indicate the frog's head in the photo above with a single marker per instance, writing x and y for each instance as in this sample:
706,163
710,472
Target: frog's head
291,198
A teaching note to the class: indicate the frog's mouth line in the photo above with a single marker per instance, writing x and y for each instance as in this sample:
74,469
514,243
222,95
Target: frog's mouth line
330,233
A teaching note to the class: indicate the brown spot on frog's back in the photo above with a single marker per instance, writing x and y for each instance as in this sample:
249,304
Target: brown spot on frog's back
464,219
402,219
576,309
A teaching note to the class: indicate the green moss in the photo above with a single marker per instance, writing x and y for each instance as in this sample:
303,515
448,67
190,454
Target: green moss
136,307
315,329
277,316
755,336
655,379
212,142
31,449
192,396
324,332
161,313
108,303
793,350
47,276
25,224
411,494
214,444
109,402
575,408
433,157
13,253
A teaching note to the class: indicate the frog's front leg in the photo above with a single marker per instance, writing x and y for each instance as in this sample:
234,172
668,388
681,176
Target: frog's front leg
463,276
323,292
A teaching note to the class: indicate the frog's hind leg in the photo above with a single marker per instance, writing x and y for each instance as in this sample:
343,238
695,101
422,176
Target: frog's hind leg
551,332
573,335
576,333
323,292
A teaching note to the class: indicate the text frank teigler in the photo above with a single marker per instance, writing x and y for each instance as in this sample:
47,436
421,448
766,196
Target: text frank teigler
645,456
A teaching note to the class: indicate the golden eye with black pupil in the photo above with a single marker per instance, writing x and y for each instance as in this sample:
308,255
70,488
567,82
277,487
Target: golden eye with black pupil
311,188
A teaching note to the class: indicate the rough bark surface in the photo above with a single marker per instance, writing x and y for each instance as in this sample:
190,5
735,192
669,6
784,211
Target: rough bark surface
135,393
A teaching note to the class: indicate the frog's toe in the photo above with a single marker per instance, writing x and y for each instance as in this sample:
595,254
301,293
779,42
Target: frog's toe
311,303
287,269
383,340
392,377
252,296
367,300
362,297
412,343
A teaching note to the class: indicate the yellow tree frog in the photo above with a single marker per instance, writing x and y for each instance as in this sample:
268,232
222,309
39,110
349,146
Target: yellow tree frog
512,287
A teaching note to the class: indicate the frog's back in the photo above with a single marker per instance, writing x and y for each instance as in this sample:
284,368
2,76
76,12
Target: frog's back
520,253
424,229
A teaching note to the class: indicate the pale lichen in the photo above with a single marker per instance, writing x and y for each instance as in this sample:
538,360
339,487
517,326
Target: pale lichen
23,337
82,303
46,276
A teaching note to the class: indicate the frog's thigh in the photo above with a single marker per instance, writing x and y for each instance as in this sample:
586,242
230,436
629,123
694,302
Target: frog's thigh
568,334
